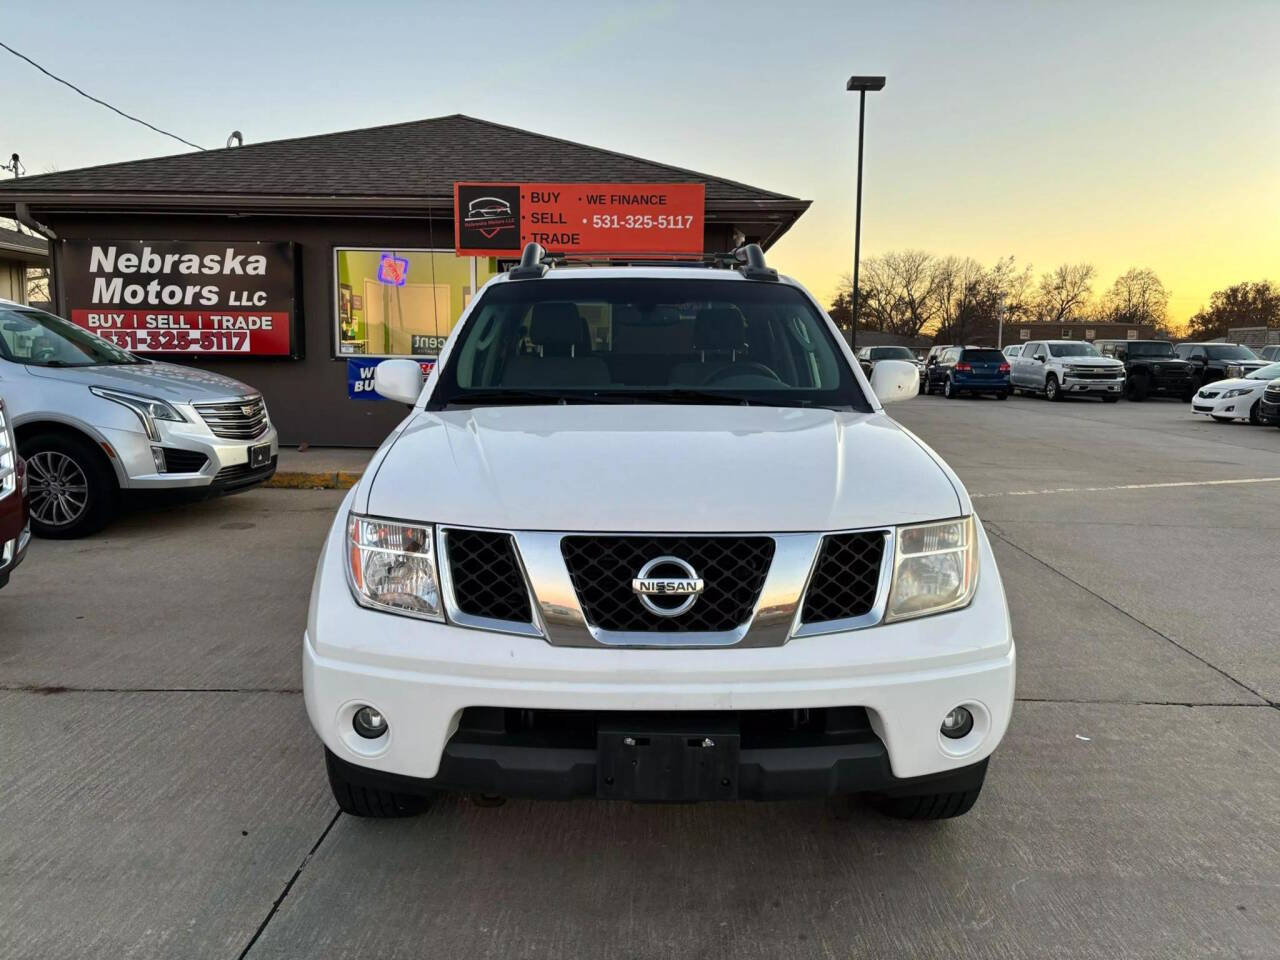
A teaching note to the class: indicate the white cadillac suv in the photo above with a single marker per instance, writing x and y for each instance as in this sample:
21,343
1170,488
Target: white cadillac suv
94,421
647,534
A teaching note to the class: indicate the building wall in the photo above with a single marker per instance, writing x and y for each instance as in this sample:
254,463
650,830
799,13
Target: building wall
1021,332
308,397
13,280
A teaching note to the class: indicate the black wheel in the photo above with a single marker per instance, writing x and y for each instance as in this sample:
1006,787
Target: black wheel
1137,387
937,806
1002,396
361,801
73,488
1255,413
1051,389
1196,383
948,390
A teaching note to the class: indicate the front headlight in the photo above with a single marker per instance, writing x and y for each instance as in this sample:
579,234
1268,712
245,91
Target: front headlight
1237,392
392,566
148,409
935,568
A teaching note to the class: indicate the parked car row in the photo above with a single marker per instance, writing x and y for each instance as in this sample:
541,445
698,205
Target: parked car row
1224,381
93,422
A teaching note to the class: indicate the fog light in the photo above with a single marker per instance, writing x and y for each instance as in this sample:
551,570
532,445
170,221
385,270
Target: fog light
955,724
158,456
370,724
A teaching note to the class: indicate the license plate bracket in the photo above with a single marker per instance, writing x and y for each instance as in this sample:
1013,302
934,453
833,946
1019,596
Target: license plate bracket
669,762
259,456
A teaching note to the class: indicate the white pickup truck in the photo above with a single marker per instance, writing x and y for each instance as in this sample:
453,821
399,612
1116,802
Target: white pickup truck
647,534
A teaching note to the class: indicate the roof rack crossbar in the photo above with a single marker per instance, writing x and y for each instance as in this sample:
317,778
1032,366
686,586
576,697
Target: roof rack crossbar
748,260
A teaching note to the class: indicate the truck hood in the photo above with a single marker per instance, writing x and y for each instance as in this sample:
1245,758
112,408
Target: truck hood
1089,361
165,381
657,468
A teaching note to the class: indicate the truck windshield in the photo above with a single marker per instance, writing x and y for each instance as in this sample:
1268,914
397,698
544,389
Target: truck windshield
40,339
646,340
1148,348
1229,351
1073,350
892,353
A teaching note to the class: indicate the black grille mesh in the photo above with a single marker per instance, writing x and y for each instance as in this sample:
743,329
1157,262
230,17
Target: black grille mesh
486,578
602,569
183,461
845,578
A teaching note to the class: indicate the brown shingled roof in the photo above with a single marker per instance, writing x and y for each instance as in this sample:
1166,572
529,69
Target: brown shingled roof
421,158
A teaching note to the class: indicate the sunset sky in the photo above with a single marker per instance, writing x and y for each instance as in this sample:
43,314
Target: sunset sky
1124,134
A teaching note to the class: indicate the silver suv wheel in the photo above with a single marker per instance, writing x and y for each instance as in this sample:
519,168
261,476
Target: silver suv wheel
59,488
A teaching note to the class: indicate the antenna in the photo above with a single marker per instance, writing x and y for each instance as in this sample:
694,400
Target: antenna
238,137
14,166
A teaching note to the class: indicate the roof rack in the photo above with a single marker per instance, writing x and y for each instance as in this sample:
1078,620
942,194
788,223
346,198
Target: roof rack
748,260
533,263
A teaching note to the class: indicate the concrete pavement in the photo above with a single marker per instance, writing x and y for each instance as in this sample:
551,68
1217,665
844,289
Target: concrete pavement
165,798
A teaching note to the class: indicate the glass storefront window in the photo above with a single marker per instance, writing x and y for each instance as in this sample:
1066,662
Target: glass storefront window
393,302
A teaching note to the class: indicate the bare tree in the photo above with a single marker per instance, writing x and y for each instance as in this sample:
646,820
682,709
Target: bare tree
960,285
1138,297
1064,292
38,286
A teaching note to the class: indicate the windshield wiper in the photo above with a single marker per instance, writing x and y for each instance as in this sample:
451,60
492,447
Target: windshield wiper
503,398
679,395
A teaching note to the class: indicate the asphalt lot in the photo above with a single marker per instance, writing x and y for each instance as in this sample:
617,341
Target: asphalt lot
164,795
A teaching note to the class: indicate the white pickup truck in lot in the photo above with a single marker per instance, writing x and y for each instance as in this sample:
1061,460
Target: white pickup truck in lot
647,534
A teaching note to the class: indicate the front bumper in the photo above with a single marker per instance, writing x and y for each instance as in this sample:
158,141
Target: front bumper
1235,408
422,676
1269,412
225,466
1074,384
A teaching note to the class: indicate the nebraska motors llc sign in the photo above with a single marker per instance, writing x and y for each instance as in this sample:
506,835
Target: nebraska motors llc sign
177,296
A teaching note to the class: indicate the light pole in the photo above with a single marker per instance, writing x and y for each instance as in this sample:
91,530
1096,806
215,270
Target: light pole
862,85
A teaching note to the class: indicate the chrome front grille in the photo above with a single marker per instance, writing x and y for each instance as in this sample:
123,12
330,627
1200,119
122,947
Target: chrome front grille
584,589
243,419
602,569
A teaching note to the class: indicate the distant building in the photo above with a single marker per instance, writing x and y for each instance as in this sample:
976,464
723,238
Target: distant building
1254,337
1074,330
881,338
19,252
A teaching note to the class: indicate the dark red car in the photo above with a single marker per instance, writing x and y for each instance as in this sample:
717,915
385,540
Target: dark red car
15,526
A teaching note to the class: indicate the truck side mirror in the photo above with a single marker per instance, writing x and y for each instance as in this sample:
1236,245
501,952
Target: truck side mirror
400,380
894,380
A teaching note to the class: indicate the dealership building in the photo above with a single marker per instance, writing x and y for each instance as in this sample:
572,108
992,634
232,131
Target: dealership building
288,264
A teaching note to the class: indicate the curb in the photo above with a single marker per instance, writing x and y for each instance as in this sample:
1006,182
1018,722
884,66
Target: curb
313,480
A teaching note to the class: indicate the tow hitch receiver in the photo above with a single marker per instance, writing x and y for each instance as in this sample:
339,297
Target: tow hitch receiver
667,759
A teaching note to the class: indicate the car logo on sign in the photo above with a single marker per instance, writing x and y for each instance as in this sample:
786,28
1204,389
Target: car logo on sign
488,215
646,586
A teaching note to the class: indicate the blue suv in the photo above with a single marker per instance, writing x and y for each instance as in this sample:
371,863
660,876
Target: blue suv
968,370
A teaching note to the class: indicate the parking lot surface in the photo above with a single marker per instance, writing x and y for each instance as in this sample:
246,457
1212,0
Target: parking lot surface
164,794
